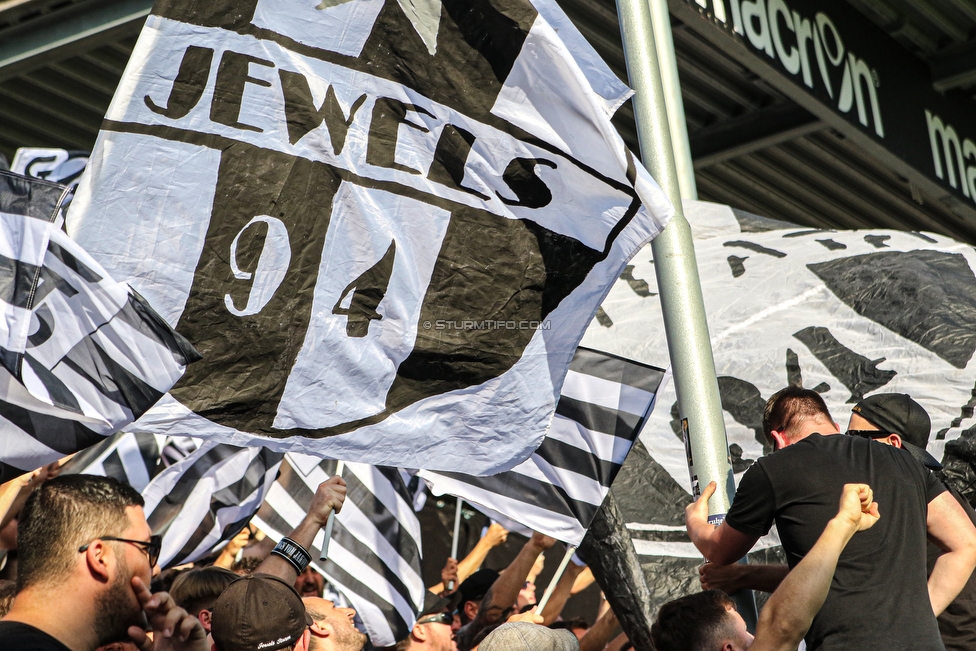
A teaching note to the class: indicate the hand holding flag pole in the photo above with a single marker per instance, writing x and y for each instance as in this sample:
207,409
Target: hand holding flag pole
454,542
570,550
340,466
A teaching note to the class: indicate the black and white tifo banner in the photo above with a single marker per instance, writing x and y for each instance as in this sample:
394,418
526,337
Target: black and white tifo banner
845,313
604,403
383,223
81,355
375,551
133,459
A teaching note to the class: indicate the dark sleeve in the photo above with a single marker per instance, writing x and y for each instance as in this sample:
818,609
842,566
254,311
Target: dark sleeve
933,485
753,507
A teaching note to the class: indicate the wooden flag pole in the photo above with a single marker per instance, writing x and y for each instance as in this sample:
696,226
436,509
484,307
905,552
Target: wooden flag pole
340,466
457,532
555,579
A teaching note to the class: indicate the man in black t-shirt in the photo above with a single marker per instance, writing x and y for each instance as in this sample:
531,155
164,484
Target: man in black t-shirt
880,582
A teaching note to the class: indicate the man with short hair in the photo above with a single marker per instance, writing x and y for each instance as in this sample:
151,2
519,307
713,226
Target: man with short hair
897,420
880,572
707,621
197,590
86,559
434,629
310,583
332,627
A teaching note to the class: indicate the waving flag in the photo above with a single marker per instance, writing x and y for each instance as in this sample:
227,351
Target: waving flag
375,551
133,459
384,223
81,356
558,490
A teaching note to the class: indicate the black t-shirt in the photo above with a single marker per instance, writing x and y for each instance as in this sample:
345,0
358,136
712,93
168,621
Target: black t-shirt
879,597
957,623
15,636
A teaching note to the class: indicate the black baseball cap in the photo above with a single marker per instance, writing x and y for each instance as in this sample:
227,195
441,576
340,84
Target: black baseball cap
897,413
259,612
475,587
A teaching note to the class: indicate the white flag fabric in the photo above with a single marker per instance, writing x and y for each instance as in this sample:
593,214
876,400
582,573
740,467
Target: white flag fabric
81,355
384,223
133,459
557,490
375,550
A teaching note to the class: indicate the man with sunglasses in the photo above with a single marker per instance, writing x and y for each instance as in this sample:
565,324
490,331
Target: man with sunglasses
881,572
86,559
434,629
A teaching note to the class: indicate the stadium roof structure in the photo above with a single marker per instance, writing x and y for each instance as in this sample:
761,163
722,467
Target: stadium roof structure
765,136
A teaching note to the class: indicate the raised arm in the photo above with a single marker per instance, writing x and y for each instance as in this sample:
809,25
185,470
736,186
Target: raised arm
329,496
557,601
721,545
788,614
496,535
504,591
951,529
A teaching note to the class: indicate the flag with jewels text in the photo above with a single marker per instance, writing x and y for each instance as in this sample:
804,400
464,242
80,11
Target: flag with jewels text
385,224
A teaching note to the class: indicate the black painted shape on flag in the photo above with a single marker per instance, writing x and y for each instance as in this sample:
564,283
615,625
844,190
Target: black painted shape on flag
858,373
500,256
758,248
884,287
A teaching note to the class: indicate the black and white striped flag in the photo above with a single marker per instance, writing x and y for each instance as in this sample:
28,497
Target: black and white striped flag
557,491
207,498
131,458
375,551
81,356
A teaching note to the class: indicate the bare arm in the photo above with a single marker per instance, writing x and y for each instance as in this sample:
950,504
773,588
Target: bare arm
722,545
738,576
328,497
229,554
598,636
559,596
496,535
584,580
504,591
951,529
789,612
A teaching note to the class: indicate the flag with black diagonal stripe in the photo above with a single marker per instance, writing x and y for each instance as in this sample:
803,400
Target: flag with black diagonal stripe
557,491
81,355
375,550
207,498
131,458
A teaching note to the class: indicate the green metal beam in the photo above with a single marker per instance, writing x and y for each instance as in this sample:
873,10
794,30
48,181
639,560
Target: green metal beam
70,35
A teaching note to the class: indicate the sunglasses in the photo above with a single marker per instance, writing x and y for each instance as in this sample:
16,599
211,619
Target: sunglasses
439,618
152,547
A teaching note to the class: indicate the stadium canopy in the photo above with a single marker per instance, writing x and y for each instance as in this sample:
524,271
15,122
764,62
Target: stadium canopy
829,113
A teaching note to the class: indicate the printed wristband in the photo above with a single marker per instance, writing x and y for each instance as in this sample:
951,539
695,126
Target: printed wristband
294,553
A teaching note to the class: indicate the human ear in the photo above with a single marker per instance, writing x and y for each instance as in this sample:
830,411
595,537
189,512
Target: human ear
204,618
895,440
470,610
97,558
780,439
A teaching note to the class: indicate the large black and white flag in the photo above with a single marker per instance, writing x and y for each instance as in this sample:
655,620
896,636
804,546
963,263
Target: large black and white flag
133,459
384,223
375,551
207,498
81,355
604,403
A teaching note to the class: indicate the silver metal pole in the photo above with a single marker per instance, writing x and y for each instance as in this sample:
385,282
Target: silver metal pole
664,45
699,404
340,466
555,579
457,535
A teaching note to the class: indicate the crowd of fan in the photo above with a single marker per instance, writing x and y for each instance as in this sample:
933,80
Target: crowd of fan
86,559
